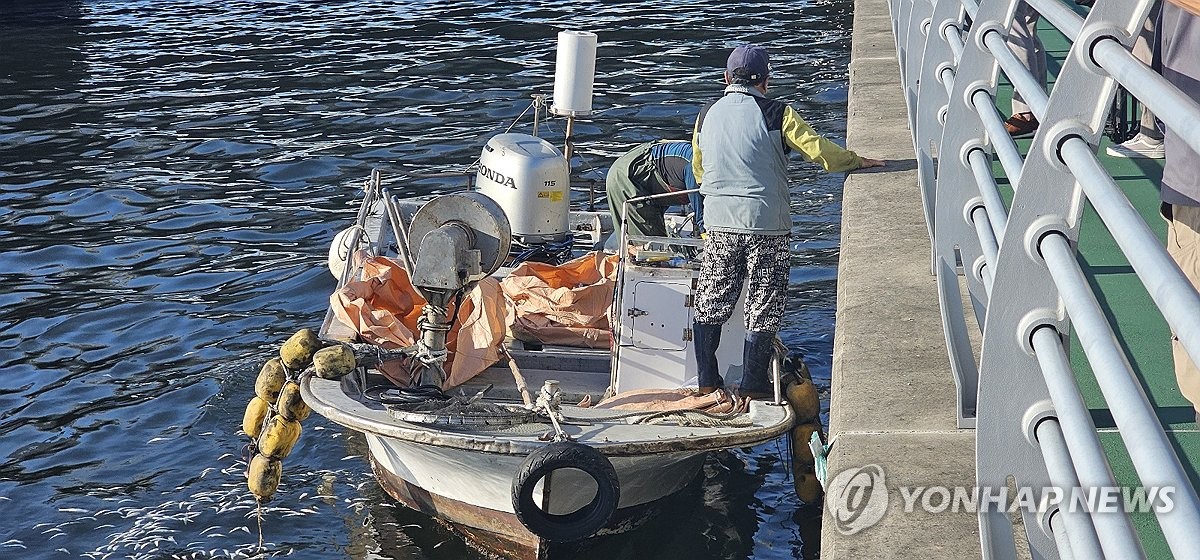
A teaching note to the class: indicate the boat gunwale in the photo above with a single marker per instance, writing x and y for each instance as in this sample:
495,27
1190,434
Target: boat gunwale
401,430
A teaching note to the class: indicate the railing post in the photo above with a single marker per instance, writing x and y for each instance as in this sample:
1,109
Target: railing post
917,37
955,243
904,32
937,66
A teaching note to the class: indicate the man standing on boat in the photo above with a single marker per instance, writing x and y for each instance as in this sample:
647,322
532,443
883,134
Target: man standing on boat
740,151
660,167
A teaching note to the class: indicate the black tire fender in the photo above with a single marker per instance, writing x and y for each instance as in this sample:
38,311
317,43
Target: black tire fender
581,523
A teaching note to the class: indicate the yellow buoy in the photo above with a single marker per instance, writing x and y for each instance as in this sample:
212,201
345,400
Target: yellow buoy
256,413
278,438
270,380
334,362
290,404
803,397
297,352
804,477
263,476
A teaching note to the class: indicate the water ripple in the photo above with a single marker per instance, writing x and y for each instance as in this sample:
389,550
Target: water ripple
171,174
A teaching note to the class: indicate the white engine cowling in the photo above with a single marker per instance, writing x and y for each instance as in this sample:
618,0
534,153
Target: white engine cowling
530,179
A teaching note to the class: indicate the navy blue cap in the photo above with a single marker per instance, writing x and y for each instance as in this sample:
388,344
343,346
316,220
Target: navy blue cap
748,65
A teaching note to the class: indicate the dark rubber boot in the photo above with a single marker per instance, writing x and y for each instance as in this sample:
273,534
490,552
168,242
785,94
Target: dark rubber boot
707,338
756,365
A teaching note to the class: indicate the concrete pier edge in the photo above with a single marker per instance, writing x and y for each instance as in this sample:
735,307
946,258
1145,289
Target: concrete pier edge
893,395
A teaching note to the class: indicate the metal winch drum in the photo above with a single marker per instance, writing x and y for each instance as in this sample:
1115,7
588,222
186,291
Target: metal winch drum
447,266
530,179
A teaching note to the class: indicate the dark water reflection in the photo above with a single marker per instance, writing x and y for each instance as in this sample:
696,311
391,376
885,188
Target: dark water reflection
171,174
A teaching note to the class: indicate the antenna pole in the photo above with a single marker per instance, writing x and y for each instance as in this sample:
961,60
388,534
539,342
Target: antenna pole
568,151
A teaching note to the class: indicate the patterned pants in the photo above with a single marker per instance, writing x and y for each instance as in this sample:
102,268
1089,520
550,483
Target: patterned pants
728,259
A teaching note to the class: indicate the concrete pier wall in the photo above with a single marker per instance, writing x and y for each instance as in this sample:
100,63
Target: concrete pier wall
893,395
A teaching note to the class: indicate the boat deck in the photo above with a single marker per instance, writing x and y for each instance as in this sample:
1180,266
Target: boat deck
541,365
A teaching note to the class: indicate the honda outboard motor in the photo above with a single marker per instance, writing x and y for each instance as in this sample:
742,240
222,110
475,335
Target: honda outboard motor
530,179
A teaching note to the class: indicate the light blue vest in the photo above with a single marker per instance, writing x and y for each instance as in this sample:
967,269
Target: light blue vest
745,164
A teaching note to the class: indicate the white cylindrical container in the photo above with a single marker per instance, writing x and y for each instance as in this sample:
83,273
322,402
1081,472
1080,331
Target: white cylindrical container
529,178
574,72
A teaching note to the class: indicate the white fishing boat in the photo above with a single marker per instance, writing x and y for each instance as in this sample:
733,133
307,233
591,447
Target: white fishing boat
546,443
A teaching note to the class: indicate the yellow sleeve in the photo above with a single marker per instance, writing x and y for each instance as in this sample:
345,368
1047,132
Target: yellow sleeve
815,147
697,167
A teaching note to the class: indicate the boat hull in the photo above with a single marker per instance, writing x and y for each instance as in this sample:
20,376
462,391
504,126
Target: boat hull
471,490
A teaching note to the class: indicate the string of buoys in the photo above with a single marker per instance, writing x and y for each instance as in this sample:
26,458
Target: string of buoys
273,416
272,419
802,396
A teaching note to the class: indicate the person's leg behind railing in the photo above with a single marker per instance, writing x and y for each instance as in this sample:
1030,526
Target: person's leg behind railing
1179,42
1148,142
1025,43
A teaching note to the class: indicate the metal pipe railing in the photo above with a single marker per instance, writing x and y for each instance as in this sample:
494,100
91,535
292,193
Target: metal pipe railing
981,167
954,38
1031,89
1177,111
987,238
1081,534
1171,291
993,122
947,76
1060,16
1027,287
1153,457
971,7
1114,530
1061,541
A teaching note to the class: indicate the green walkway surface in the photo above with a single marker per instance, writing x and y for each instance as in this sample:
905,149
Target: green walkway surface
1135,319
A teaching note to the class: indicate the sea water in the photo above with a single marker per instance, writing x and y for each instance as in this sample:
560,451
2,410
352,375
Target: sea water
172,173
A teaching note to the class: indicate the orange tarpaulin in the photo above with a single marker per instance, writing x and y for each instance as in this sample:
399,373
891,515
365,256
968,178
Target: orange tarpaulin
383,307
566,304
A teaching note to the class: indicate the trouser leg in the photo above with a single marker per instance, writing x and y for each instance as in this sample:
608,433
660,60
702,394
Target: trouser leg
619,188
722,272
1183,244
769,262
629,177
1148,125
1027,47
647,219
